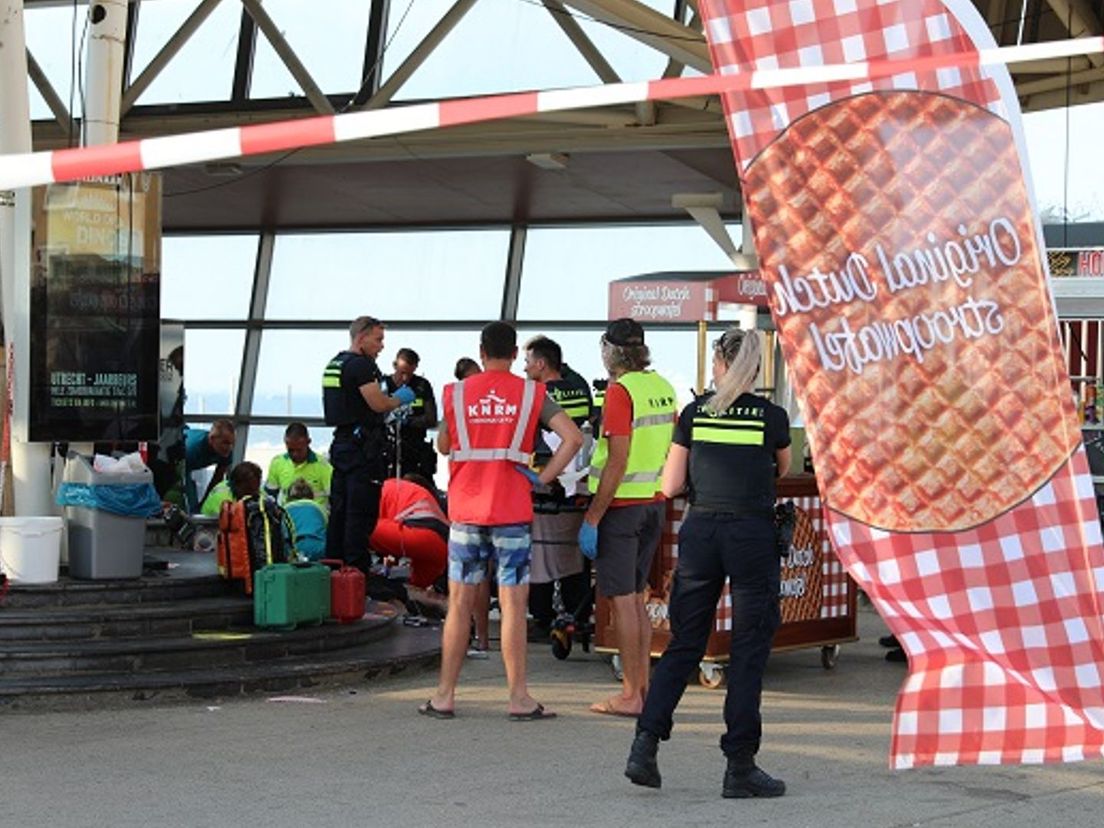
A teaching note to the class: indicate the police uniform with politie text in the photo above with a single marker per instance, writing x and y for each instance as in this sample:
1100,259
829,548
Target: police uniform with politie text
728,460
355,405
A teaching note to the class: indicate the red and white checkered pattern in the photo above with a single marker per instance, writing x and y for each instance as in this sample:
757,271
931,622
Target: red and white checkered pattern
785,34
1003,623
1003,626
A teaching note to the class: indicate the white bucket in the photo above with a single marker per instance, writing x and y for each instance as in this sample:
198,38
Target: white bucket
30,548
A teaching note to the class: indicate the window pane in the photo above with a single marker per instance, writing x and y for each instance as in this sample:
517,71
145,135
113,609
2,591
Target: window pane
207,277
412,275
329,41
289,371
212,369
567,271
54,39
507,46
203,69
1059,188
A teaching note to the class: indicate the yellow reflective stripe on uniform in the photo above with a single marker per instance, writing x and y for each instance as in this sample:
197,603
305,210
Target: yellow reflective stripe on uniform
721,423
729,436
331,375
579,410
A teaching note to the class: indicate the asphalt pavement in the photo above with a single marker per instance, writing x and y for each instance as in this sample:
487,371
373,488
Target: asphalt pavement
361,756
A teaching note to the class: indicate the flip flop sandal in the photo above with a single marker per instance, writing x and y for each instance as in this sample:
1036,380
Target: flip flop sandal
533,715
606,708
428,709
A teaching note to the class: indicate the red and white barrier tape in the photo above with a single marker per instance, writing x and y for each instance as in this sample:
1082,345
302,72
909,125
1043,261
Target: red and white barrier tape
30,169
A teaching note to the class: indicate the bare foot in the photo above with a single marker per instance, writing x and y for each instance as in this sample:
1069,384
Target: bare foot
618,706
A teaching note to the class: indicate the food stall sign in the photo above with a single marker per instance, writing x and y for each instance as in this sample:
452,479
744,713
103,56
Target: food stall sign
683,297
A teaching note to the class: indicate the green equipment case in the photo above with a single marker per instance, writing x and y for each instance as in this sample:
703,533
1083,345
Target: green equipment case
286,596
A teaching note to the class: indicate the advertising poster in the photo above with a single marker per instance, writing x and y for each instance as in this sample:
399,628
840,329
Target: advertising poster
897,236
95,310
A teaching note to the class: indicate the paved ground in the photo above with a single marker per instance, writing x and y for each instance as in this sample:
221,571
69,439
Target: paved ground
363,757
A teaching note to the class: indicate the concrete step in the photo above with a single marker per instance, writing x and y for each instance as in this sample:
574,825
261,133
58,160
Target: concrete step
405,648
109,620
198,650
151,588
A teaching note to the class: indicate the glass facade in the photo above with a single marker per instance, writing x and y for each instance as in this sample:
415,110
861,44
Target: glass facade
434,289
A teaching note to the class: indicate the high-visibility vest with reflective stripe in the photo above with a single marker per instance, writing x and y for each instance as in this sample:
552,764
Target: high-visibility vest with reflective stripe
492,421
653,424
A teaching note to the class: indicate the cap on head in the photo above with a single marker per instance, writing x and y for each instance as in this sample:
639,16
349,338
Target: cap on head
625,333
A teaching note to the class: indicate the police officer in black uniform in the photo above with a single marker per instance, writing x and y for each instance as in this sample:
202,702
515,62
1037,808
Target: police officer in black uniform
729,447
355,404
410,447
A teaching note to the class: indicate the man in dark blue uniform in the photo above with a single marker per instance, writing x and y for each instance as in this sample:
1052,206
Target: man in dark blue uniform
728,448
355,405
410,448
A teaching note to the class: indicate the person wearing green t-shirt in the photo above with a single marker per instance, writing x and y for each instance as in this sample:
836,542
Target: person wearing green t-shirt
299,463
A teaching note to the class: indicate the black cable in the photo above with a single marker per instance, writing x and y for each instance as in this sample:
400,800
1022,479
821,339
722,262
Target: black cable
1066,158
621,27
80,81
72,69
352,98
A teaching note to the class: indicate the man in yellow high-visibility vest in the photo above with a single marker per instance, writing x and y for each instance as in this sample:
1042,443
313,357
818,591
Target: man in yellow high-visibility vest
622,528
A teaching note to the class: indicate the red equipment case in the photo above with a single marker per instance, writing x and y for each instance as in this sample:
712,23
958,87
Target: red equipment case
347,592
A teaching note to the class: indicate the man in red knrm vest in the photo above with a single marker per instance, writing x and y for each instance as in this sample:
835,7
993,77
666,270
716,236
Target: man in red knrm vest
491,421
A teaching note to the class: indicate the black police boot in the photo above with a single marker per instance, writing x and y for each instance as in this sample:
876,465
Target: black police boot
743,779
642,768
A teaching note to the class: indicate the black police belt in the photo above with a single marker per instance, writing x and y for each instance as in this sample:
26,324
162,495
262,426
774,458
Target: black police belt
732,514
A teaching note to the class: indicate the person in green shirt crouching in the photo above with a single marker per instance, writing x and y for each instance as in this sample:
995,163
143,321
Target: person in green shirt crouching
299,463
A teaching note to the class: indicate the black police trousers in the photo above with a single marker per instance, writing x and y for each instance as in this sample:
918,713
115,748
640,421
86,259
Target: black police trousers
713,547
354,504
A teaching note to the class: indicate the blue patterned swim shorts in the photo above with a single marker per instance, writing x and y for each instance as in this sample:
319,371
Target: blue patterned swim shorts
471,547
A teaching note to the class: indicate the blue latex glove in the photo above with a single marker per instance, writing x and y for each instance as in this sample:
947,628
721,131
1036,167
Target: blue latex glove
529,474
588,540
404,395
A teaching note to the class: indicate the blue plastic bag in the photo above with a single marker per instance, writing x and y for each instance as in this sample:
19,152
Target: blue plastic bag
125,499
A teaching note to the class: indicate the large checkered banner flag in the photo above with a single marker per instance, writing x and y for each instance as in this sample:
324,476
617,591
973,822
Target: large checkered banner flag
894,225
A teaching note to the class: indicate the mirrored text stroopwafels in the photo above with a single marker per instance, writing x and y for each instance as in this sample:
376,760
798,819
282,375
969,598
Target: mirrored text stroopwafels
894,230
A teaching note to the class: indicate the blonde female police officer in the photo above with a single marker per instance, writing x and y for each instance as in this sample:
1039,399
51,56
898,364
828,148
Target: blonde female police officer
729,447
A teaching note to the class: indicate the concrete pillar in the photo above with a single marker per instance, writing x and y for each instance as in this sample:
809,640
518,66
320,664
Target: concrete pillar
30,461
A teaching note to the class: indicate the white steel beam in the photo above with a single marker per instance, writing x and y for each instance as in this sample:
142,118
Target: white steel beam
1081,19
418,56
591,54
167,53
283,49
46,90
650,27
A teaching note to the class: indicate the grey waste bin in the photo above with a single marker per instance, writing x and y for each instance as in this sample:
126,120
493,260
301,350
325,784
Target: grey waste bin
103,545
